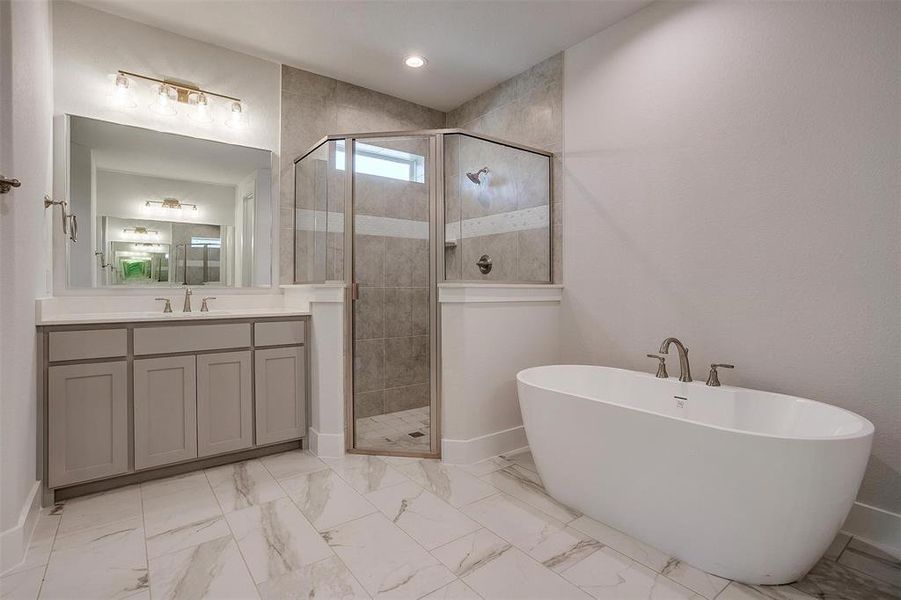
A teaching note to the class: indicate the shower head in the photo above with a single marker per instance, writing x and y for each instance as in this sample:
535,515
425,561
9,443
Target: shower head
476,177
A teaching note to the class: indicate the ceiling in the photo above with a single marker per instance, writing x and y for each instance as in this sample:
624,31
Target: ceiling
470,45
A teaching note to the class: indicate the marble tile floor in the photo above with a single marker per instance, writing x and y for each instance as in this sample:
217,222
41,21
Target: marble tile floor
404,430
294,526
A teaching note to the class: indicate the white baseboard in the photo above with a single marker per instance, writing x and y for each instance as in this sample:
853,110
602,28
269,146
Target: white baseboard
14,541
326,445
876,525
467,452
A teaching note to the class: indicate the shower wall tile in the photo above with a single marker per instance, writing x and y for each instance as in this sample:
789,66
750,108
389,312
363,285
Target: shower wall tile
369,311
533,254
369,404
528,109
406,397
314,106
501,247
406,361
420,315
334,256
406,312
398,312
370,259
369,365
406,262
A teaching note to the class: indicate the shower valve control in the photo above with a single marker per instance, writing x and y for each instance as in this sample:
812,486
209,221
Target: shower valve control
484,264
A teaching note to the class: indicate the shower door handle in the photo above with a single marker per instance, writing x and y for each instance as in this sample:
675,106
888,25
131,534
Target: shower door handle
355,291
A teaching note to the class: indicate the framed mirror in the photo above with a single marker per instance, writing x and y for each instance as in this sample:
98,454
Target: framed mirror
161,210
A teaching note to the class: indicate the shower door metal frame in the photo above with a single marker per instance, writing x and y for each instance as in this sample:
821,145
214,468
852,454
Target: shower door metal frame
436,207
437,273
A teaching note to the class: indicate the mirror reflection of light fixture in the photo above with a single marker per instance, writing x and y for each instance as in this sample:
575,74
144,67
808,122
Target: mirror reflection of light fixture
171,206
200,108
164,102
237,118
122,96
141,231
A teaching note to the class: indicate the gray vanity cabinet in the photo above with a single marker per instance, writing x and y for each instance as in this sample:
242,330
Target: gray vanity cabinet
165,410
133,401
87,421
280,386
224,402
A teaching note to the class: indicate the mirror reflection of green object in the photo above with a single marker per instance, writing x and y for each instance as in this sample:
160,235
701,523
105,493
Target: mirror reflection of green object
135,269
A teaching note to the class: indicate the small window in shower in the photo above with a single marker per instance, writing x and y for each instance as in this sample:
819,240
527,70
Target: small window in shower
198,242
384,162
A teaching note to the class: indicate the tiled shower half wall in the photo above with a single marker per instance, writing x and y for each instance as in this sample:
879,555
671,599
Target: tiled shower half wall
502,216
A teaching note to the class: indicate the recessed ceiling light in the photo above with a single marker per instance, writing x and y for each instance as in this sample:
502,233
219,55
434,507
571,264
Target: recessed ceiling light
415,61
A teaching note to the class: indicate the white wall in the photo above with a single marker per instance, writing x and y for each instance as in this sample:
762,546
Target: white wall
25,153
123,195
88,45
488,334
733,176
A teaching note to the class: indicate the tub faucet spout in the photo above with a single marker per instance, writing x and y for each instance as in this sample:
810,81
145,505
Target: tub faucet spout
684,368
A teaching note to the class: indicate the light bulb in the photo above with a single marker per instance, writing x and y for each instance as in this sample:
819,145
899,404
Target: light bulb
237,118
415,62
122,95
164,103
200,108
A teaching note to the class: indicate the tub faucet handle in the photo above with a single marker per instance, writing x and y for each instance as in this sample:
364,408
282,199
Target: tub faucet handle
713,379
661,366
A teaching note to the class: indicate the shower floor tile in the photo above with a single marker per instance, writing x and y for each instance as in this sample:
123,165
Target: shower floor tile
404,430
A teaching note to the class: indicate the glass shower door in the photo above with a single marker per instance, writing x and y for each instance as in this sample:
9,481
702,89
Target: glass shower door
393,309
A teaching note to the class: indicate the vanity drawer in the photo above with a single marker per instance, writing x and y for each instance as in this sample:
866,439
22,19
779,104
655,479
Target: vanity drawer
81,345
278,333
190,338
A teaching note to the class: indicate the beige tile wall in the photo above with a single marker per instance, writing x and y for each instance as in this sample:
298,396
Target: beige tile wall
314,106
528,109
515,185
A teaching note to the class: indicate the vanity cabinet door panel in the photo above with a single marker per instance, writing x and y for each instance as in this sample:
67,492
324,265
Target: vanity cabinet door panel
280,386
165,396
224,403
88,422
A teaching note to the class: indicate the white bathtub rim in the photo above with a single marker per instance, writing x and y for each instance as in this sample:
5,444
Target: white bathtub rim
867,427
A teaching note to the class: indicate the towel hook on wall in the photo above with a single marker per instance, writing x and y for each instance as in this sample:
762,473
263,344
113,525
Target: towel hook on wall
7,183
48,202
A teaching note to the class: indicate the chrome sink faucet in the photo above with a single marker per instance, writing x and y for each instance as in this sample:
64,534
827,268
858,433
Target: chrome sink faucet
187,306
684,368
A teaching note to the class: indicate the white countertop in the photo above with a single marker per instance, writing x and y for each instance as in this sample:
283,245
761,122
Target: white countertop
142,317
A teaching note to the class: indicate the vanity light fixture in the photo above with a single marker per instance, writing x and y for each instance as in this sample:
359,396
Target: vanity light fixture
237,118
122,96
169,92
414,61
200,108
164,101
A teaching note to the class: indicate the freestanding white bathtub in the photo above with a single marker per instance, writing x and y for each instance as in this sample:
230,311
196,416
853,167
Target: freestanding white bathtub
747,485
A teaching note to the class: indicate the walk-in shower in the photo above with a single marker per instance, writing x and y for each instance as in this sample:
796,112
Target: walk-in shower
393,216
